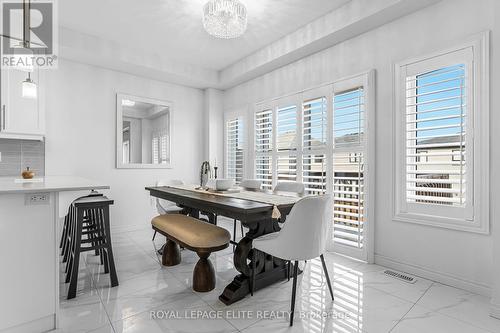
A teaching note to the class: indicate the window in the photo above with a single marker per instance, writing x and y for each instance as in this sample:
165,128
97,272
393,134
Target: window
160,147
314,141
235,149
319,137
314,115
436,112
439,121
314,168
286,128
348,173
263,147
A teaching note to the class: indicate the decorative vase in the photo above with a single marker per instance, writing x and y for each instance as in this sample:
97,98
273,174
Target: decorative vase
204,174
28,174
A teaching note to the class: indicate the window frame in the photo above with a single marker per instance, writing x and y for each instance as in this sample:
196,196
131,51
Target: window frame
474,218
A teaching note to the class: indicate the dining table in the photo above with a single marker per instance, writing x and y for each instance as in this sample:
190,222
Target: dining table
261,212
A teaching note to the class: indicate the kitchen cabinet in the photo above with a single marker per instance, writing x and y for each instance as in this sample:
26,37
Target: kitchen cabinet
21,117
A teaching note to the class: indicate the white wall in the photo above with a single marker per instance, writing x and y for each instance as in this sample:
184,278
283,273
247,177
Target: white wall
454,257
81,134
214,129
495,161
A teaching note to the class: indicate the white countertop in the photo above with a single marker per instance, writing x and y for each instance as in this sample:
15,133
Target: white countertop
8,185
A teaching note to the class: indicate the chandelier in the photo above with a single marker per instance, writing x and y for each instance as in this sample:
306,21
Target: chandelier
225,18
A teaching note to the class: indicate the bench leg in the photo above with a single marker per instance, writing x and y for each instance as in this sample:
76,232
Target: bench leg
203,274
171,254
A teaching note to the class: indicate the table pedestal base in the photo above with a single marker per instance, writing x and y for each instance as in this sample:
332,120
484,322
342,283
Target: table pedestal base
269,269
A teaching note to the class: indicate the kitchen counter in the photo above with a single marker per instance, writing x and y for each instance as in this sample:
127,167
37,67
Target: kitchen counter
49,184
30,228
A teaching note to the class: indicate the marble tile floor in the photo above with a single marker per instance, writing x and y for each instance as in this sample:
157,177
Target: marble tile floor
152,299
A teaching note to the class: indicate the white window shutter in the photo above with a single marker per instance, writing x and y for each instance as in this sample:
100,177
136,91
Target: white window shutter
235,149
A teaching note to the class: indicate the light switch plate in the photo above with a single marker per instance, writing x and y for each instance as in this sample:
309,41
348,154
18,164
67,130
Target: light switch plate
37,199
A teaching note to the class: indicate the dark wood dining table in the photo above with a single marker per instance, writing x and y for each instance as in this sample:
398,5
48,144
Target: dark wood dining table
256,216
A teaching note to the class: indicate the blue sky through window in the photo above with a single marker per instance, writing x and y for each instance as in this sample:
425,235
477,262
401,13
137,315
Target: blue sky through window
440,99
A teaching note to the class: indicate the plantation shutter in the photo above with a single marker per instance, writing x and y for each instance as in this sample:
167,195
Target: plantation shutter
164,148
436,114
314,173
287,168
286,128
155,143
263,147
314,115
348,167
235,149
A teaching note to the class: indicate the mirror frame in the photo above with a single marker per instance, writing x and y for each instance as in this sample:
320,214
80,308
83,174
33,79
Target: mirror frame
119,132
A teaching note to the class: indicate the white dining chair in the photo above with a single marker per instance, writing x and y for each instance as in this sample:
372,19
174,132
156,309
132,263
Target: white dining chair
251,184
291,187
164,206
302,237
248,185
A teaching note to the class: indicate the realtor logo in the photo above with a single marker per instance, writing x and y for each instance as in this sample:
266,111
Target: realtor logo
29,34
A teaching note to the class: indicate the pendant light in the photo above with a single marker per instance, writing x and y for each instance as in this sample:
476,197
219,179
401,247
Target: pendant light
29,88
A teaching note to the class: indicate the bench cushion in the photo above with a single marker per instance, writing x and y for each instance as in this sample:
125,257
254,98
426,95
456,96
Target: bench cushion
192,233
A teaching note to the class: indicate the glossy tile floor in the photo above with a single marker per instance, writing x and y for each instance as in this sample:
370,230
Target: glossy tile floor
152,299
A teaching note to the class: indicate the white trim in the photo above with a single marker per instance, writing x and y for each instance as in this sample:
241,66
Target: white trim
17,136
434,275
370,163
476,219
58,223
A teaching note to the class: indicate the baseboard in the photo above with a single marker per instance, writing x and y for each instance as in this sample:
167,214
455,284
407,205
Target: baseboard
440,277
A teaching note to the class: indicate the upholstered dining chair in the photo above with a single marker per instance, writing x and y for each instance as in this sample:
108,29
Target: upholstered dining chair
164,206
249,185
302,237
297,188
291,187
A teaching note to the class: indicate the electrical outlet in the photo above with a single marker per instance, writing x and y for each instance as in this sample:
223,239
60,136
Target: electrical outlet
37,199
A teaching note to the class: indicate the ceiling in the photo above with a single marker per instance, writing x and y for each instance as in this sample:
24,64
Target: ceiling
173,28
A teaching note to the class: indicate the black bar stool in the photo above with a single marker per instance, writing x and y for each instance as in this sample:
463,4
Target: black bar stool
87,228
66,232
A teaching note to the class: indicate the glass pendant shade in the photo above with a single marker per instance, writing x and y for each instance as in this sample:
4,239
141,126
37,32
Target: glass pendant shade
29,89
225,18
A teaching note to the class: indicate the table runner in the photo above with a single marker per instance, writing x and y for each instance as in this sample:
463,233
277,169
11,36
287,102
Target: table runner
262,197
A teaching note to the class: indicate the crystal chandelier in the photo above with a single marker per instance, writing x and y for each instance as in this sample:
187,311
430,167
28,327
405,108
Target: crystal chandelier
225,18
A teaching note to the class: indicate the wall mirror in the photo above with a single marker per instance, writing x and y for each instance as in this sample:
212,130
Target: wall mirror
143,132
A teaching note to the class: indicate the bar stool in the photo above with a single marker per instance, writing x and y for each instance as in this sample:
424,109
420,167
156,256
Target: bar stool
65,234
88,229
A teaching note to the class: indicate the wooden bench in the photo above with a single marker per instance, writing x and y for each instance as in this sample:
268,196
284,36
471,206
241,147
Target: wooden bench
195,235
